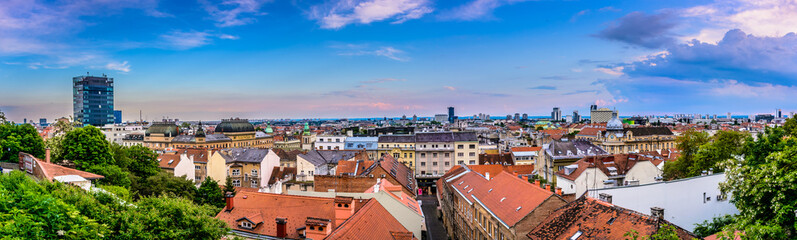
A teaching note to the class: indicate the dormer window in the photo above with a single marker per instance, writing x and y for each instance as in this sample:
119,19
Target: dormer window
246,224
254,172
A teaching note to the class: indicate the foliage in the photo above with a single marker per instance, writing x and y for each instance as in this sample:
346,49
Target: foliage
228,187
791,126
19,138
86,147
210,193
114,175
185,125
3,117
163,183
56,149
666,232
699,153
707,228
45,210
142,161
540,128
763,186
120,192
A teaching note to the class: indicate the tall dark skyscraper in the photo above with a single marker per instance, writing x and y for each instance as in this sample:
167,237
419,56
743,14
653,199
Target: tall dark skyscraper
92,100
451,115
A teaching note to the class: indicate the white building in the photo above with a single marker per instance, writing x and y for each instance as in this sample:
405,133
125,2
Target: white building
115,133
320,163
607,171
330,142
685,202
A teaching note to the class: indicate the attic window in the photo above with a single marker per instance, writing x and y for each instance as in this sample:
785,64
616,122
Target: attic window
490,190
470,190
171,161
460,183
611,221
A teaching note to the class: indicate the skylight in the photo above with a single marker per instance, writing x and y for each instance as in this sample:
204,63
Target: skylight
518,208
575,236
502,199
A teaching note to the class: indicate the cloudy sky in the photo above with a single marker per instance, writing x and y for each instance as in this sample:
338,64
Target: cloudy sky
210,59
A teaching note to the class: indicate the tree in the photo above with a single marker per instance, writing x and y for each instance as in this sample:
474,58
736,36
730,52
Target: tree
689,143
185,125
163,183
143,161
2,117
665,232
210,193
228,187
87,147
707,228
19,138
113,175
791,126
171,218
763,186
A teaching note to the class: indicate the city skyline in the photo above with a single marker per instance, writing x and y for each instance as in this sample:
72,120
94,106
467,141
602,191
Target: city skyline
334,59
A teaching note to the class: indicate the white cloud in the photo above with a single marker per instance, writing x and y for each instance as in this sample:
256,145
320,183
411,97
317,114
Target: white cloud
228,13
338,14
450,88
183,40
365,50
770,18
476,9
118,66
615,71
734,88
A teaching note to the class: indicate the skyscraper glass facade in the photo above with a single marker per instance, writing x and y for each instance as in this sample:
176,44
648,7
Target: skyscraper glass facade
93,100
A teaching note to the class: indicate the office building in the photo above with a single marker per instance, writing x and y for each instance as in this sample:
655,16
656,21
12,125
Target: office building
593,107
442,118
451,116
43,122
117,116
576,117
602,115
556,115
525,117
779,114
92,99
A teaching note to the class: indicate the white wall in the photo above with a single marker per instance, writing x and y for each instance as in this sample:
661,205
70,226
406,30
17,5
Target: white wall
185,168
304,165
644,171
682,200
267,167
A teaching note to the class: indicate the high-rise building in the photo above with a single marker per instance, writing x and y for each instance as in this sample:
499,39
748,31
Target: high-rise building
92,99
729,115
601,115
525,117
593,107
117,116
556,115
517,117
576,117
508,117
43,122
779,114
451,116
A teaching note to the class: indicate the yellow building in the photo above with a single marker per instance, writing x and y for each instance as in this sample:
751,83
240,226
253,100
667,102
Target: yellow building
619,140
230,133
401,147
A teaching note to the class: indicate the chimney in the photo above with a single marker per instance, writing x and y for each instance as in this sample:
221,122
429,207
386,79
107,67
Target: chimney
657,212
526,178
229,199
548,187
487,175
559,191
536,182
281,228
47,155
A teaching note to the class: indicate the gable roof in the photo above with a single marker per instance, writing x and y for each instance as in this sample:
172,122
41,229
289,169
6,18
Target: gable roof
500,158
372,221
596,219
622,163
245,155
573,149
279,173
321,157
268,207
287,155
51,170
168,160
525,149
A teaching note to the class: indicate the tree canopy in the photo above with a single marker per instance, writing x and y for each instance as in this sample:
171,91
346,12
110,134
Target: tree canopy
699,153
210,193
86,147
19,138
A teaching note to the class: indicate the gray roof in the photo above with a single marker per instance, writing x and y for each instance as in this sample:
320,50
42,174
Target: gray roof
446,137
649,131
249,155
260,134
184,139
573,149
358,143
397,138
322,157
218,137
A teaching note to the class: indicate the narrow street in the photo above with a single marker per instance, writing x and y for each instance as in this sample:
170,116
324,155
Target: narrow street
435,228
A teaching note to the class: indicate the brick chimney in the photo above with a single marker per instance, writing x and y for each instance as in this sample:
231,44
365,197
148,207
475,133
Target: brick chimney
559,191
526,178
281,227
548,187
344,208
47,155
229,199
537,183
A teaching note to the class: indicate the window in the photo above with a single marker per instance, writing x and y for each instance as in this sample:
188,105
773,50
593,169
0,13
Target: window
311,172
337,140
254,172
434,155
253,183
473,154
197,179
236,172
423,155
197,167
472,146
460,146
245,224
236,183
405,155
396,155
460,154
460,162
434,163
472,162
423,164
447,155
448,164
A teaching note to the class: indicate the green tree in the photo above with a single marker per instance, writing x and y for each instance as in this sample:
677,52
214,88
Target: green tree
540,128
228,187
143,161
763,186
171,218
707,228
163,183
791,126
87,147
113,175
210,193
19,138
665,232
723,146
689,143
2,117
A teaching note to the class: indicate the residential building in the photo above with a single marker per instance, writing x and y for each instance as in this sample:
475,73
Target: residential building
466,147
595,172
92,100
434,153
250,167
45,170
496,159
230,133
559,154
322,162
441,118
287,158
173,163
359,175
589,218
525,155
617,140
277,216
369,144
504,206
116,133
601,115
330,142
280,178
288,142
401,147
684,202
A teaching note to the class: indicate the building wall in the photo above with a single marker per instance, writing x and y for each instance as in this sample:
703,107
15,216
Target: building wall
217,167
601,116
592,178
324,183
434,158
644,171
402,152
304,170
185,168
466,153
330,142
683,200
243,176
267,167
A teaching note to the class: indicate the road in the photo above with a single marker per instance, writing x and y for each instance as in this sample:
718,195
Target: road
434,226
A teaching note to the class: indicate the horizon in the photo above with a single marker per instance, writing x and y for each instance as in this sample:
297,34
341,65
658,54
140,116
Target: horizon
359,59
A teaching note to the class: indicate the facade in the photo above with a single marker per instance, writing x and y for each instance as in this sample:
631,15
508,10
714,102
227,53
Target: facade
559,154
117,116
684,202
434,153
92,100
451,116
369,144
116,133
330,142
556,114
360,175
601,115
230,133
504,206
596,172
250,167
526,155
589,218
174,163
618,140
322,162
400,147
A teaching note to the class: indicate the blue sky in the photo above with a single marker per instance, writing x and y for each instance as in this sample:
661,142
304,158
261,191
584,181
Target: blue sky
370,58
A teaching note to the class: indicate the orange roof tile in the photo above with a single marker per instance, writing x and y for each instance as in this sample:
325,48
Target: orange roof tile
508,197
269,207
168,160
372,221
526,149
51,171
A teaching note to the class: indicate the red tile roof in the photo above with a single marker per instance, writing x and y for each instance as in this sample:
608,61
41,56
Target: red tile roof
51,171
591,131
622,162
269,207
508,197
372,221
526,149
279,173
495,169
596,219
348,167
169,160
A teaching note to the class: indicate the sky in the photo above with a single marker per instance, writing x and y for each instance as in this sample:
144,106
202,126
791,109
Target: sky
207,60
